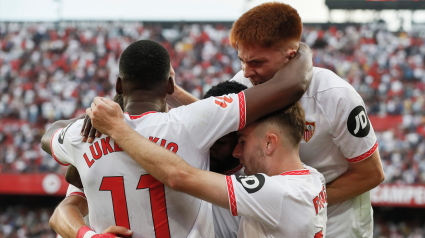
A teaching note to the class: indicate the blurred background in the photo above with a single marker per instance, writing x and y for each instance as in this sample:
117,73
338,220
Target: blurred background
56,56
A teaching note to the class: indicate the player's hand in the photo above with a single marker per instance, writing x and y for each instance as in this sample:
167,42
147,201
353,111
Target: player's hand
105,115
119,231
304,49
88,131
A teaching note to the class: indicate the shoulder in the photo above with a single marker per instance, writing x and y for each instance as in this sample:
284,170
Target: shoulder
332,92
72,130
316,174
258,182
327,82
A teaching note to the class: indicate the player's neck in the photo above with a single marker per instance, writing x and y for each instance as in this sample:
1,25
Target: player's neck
141,102
284,161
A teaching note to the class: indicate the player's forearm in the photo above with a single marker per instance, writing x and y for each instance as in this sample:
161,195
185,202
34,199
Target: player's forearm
358,179
180,97
170,169
67,219
157,161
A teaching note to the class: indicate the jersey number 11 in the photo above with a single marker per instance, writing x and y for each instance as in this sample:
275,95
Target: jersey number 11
157,197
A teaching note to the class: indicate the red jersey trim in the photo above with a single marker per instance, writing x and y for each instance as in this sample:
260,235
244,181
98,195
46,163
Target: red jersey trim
82,231
139,116
232,197
297,172
242,110
51,148
365,155
78,194
232,171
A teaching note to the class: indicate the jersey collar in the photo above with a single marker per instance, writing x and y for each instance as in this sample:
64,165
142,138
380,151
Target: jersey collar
139,116
296,172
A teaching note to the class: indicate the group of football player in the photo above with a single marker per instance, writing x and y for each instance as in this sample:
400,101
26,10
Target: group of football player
284,149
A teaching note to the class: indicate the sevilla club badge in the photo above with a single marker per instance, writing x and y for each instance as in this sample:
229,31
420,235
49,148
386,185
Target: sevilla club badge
309,130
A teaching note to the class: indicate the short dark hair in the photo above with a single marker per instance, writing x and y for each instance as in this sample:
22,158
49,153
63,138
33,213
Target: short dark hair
224,88
145,63
291,119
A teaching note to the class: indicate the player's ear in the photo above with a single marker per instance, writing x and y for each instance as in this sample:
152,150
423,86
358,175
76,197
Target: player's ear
271,142
292,53
171,85
118,86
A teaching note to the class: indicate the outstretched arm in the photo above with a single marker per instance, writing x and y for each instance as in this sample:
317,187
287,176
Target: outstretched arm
164,165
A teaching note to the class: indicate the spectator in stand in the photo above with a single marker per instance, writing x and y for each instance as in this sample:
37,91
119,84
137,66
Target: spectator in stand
49,73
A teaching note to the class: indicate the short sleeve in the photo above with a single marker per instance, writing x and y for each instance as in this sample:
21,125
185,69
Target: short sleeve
241,79
61,144
352,131
257,196
208,120
74,191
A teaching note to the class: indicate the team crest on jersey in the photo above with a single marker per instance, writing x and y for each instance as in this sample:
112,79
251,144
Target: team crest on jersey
309,130
223,101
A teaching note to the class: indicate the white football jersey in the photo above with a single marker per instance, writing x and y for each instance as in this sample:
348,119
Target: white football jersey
225,224
338,132
292,204
120,192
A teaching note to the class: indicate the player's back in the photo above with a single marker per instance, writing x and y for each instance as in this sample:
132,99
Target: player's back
120,192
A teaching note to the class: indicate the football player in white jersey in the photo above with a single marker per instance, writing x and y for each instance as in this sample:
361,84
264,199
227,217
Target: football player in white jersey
121,193
70,212
281,198
339,140
223,162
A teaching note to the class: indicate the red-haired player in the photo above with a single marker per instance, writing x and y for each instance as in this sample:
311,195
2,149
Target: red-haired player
339,140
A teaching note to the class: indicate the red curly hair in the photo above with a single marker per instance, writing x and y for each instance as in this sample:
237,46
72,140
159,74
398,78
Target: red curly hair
266,25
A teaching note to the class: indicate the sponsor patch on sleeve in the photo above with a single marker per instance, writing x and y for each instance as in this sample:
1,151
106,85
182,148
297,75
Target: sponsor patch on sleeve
358,123
251,183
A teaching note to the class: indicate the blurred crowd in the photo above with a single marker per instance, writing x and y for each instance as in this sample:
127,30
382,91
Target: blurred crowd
50,72
22,222
398,230
26,221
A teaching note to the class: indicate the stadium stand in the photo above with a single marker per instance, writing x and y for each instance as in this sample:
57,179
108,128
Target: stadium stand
26,216
49,73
